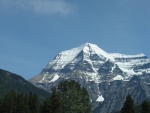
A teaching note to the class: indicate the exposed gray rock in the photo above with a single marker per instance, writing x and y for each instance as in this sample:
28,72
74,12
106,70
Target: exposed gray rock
106,76
116,92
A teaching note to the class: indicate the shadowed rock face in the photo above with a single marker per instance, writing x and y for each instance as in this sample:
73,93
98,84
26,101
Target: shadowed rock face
105,75
116,92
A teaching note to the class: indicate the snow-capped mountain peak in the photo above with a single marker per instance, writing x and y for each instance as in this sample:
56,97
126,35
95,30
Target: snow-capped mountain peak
87,47
68,56
90,55
94,69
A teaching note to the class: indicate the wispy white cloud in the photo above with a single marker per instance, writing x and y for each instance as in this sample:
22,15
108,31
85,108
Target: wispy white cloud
40,6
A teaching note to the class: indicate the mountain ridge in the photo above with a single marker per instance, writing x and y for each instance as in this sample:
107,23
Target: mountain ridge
91,67
92,55
10,81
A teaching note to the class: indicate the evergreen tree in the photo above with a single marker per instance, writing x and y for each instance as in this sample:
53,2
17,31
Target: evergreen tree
9,102
46,106
20,104
33,103
26,107
1,105
86,102
55,101
68,97
128,106
74,98
52,104
145,108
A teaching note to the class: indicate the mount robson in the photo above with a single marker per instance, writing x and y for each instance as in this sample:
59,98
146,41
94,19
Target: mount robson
108,77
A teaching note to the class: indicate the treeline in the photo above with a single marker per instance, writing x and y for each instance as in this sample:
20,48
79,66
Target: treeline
67,97
19,103
129,107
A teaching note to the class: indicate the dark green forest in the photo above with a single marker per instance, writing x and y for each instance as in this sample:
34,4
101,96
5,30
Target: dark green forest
129,106
67,97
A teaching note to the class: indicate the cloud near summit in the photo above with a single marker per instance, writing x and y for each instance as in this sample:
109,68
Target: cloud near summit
61,7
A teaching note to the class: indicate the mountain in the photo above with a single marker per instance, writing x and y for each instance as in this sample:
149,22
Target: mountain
10,81
96,70
115,94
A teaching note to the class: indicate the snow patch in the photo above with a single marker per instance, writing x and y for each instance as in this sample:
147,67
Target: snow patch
127,80
55,78
117,55
118,77
100,98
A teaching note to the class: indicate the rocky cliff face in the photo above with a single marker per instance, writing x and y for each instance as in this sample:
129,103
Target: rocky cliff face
107,76
115,94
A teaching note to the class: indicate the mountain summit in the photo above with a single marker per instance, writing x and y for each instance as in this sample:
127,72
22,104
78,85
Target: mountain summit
75,55
91,60
91,67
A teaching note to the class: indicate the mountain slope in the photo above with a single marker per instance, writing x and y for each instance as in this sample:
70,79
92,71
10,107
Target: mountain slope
115,94
10,81
91,67
90,59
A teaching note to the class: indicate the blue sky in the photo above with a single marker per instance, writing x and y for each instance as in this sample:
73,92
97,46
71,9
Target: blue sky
33,32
